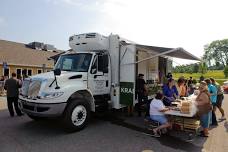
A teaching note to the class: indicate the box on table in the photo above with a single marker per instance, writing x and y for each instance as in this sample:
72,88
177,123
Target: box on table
186,107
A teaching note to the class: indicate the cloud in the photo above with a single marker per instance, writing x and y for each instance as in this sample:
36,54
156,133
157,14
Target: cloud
176,23
2,21
89,5
68,2
74,2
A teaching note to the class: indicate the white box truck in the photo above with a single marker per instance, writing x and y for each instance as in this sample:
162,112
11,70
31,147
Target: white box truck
98,73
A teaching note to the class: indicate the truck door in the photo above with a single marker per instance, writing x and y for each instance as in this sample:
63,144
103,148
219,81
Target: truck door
99,76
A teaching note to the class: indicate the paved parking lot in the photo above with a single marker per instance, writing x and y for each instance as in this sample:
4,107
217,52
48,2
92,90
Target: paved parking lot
22,134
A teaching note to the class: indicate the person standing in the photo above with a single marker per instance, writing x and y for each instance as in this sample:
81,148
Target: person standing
2,86
190,81
220,98
191,86
12,87
204,107
213,92
141,91
201,78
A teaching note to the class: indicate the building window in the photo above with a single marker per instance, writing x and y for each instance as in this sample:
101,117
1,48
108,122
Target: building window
29,72
39,71
6,72
18,72
24,72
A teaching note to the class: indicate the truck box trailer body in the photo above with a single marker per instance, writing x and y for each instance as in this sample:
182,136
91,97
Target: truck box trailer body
99,73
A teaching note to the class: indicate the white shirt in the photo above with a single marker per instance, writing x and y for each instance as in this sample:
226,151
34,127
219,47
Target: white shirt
155,106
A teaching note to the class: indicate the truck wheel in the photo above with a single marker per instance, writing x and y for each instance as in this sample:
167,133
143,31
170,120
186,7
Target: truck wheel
36,118
76,116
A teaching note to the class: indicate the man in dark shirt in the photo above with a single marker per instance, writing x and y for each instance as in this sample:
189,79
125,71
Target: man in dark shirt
12,86
190,82
141,92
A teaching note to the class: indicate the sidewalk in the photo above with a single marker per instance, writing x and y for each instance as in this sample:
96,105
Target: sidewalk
3,103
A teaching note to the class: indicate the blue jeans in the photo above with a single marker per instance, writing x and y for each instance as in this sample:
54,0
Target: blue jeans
205,120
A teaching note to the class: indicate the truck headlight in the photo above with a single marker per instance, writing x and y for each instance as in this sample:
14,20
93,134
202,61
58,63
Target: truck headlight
51,95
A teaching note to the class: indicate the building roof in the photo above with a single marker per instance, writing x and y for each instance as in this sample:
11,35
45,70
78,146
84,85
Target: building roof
18,54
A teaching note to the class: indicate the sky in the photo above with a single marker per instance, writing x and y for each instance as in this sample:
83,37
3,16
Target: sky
189,24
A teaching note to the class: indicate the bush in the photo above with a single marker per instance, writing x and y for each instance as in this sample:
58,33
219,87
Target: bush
220,81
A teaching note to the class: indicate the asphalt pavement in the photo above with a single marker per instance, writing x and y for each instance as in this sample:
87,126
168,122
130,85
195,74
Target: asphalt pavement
21,134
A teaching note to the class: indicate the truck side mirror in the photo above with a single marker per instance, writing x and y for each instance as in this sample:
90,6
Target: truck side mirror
57,71
94,69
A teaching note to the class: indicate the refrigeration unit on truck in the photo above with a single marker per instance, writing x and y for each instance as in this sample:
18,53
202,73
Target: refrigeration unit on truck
99,73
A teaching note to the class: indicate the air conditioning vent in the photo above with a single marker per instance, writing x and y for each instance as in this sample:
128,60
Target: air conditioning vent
91,35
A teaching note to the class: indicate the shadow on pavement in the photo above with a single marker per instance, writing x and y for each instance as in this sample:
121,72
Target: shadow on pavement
226,126
51,127
166,140
44,127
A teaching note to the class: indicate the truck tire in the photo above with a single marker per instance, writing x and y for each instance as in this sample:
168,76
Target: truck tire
36,118
76,115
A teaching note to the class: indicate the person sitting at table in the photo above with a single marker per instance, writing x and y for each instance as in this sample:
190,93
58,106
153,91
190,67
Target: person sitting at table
157,110
204,107
170,92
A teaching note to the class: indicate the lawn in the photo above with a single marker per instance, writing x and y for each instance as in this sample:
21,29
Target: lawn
218,75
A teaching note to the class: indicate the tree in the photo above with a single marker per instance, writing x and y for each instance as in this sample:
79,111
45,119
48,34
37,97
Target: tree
216,52
191,68
203,67
195,68
225,71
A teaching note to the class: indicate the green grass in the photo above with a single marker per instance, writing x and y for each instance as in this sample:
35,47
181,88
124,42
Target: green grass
216,74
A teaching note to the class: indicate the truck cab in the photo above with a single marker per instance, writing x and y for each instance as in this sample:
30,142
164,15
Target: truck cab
80,83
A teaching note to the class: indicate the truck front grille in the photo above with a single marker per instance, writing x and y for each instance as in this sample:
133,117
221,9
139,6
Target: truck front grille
25,87
28,107
30,88
33,107
34,88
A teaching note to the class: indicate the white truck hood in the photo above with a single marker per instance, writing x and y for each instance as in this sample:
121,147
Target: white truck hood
50,75
69,82
65,80
66,77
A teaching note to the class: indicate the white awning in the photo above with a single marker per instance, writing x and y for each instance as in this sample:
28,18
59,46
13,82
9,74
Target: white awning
171,52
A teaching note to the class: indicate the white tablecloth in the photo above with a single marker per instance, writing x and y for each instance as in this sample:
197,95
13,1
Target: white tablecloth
192,112
178,113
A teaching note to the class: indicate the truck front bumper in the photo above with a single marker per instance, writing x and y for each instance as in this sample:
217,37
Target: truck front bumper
42,109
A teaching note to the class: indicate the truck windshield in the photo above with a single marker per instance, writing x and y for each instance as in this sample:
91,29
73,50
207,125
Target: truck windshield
74,62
